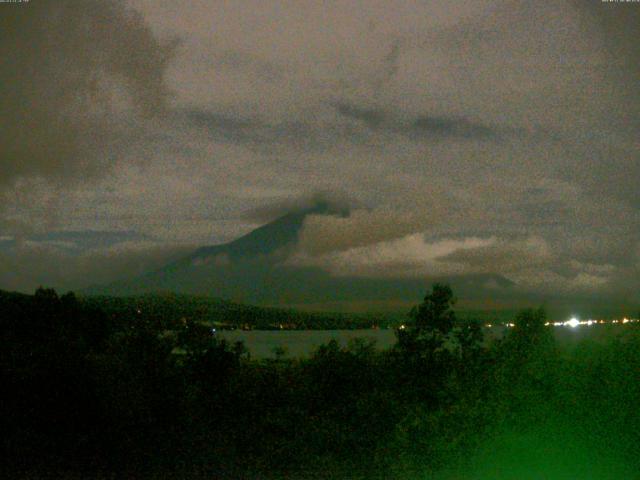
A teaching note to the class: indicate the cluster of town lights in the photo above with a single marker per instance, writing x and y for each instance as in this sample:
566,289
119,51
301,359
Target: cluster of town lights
573,322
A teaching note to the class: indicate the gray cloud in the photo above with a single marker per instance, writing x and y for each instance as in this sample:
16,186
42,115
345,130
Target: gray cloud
247,64
511,119
30,264
253,131
82,241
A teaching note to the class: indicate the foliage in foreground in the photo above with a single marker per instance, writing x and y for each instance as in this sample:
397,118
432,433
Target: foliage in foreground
88,394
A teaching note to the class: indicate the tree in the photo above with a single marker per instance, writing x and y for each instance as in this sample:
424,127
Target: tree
45,295
424,364
530,334
469,336
527,367
432,320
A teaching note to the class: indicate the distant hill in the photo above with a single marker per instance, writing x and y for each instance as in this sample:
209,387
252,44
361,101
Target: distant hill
251,269
165,311
169,309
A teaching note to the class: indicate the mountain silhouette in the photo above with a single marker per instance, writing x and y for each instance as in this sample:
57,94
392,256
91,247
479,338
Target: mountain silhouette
252,269
272,238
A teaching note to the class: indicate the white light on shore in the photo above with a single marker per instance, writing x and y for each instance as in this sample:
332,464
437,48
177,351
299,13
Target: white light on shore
573,323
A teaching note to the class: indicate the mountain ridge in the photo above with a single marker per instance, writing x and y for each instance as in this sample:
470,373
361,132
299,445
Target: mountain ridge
251,269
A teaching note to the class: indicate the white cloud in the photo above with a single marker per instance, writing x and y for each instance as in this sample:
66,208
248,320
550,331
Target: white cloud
407,256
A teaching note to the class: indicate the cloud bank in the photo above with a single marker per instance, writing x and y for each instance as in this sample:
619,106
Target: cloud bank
77,77
507,126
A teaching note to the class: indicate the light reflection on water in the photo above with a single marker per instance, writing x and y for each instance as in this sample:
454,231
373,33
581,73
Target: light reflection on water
302,343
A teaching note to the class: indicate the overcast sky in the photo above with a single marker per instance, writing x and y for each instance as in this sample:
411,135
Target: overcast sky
466,137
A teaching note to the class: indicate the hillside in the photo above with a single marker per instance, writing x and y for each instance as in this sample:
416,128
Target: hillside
166,310
253,269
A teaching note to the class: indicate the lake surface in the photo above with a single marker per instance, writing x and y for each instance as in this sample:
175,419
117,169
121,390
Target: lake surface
302,343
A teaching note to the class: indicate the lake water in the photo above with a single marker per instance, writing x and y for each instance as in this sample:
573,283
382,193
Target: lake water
302,343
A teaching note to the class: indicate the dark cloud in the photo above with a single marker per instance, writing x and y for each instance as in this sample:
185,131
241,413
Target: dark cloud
438,126
371,117
332,203
322,134
229,128
73,73
422,127
261,134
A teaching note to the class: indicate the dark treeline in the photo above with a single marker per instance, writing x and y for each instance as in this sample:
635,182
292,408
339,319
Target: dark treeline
165,310
90,394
